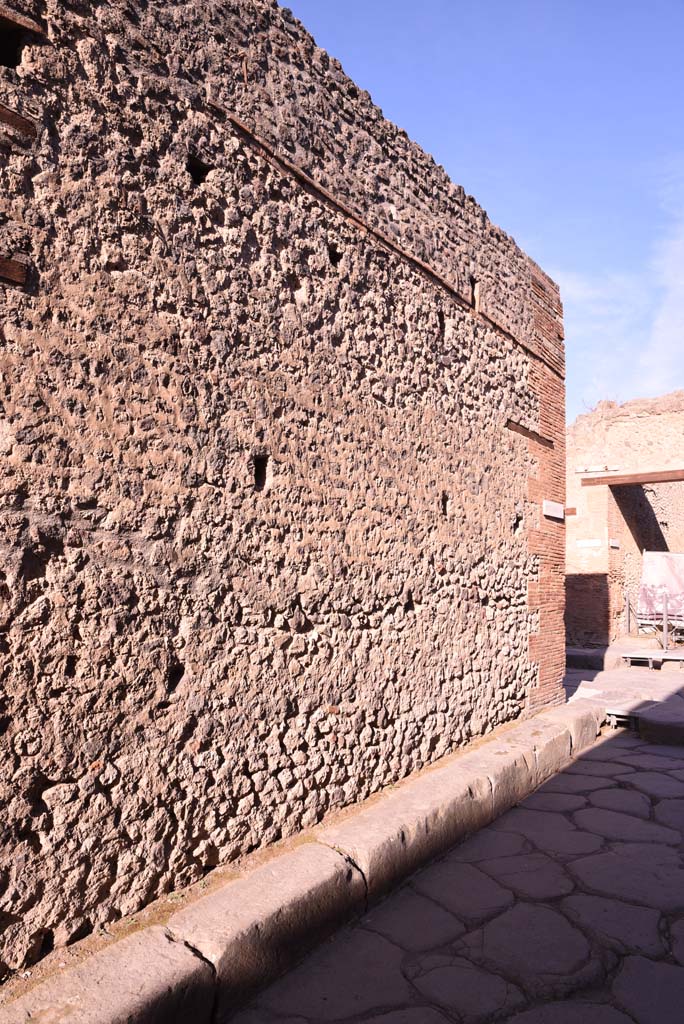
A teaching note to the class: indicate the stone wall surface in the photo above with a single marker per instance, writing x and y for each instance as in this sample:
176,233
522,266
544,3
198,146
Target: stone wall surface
270,488
614,526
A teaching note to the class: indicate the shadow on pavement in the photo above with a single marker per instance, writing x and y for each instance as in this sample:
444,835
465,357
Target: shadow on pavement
568,909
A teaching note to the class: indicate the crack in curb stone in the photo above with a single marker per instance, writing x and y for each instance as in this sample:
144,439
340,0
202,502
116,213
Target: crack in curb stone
352,863
213,1015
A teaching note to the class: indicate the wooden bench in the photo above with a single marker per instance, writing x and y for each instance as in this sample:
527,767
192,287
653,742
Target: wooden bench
654,655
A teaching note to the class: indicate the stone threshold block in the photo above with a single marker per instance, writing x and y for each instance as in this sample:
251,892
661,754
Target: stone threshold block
662,723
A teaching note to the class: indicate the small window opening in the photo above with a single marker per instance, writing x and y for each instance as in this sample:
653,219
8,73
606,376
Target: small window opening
440,321
475,294
445,504
260,472
409,606
517,523
12,42
198,170
334,254
70,666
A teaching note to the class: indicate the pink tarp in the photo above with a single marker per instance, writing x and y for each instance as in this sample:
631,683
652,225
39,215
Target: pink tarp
662,574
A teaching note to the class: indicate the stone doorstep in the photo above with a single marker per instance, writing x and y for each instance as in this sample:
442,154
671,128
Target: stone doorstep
662,723
214,952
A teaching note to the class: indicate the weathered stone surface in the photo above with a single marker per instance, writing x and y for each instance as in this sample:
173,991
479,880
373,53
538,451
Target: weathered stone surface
468,893
470,992
571,1013
573,784
648,762
250,453
614,825
564,952
253,928
420,820
598,768
549,830
420,1015
653,993
413,922
262,1016
662,750
583,721
663,723
531,875
372,980
558,802
536,947
622,800
671,814
677,937
630,928
644,873
656,784
145,977
509,767
488,843
550,740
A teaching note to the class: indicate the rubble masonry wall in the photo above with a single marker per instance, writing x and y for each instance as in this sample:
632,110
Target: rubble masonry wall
270,487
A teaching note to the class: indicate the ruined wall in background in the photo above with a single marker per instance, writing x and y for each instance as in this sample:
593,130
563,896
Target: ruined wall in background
270,486
614,526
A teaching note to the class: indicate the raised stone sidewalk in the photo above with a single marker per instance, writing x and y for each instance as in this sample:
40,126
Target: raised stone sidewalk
568,909
199,967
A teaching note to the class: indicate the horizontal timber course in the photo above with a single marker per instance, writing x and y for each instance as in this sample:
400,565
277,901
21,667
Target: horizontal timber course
203,962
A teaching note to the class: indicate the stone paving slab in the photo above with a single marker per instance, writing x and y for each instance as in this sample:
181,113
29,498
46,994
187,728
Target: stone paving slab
581,920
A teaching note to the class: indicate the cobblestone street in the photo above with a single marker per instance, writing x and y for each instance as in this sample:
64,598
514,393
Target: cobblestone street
567,910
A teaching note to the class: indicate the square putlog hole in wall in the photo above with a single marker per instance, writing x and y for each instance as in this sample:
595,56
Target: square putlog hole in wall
262,472
197,169
475,294
12,42
334,254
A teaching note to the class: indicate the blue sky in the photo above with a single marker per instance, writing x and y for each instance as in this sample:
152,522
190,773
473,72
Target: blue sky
565,119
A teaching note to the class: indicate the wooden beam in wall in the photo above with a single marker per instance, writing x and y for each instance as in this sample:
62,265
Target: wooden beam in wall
662,476
16,121
10,19
531,435
13,272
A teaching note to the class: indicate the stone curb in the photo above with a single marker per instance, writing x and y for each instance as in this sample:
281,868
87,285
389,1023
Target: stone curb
146,977
214,952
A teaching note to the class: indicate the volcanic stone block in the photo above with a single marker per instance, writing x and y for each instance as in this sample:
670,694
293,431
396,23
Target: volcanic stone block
253,928
145,977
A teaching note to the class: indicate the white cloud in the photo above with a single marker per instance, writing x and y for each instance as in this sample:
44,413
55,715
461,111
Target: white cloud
662,362
625,331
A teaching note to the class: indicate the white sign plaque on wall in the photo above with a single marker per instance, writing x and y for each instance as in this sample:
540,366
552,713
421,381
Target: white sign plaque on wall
554,510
